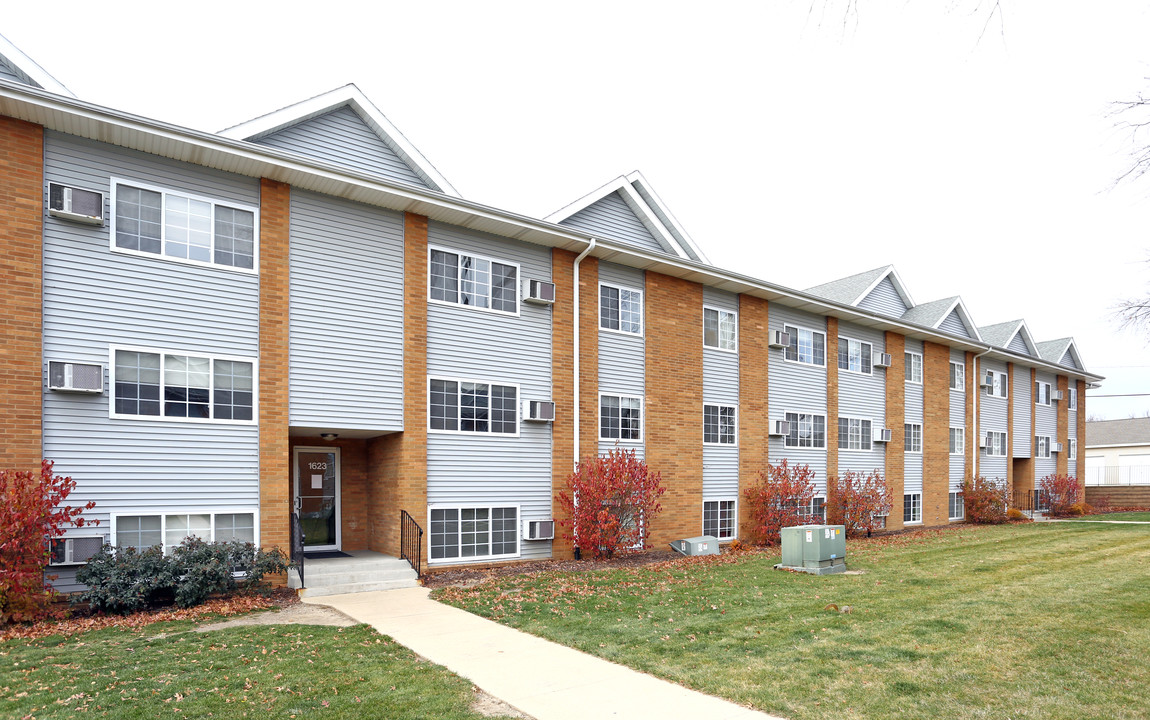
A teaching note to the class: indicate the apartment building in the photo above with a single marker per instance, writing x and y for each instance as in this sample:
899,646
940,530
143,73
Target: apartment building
210,332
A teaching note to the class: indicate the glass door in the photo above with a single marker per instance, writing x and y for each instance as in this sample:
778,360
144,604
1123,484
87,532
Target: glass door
317,497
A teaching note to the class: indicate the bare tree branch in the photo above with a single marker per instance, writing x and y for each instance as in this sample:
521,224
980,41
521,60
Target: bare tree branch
1133,117
995,11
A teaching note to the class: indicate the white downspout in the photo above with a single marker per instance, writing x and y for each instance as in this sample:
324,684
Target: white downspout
578,260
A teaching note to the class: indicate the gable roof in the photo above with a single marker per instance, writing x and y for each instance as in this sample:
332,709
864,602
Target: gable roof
934,313
1061,352
348,96
1009,333
26,69
645,206
855,289
1103,433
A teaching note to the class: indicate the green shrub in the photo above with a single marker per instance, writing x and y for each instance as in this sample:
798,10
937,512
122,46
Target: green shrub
127,580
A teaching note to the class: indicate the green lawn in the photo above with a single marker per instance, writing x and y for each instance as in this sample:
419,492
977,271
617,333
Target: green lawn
276,671
1044,620
1128,516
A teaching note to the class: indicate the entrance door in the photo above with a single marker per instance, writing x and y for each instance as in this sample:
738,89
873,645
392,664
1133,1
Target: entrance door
317,497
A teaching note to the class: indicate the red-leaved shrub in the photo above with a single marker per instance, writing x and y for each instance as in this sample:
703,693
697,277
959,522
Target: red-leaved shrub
1062,492
610,503
780,498
857,501
986,500
32,510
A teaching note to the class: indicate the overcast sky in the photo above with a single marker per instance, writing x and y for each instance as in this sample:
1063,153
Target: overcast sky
798,142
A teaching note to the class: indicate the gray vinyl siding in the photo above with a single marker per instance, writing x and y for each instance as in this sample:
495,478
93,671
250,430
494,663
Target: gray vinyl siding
1046,423
884,300
613,218
958,419
992,414
341,137
863,396
798,388
95,298
464,343
912,462
953,324
1018,344
1022,395
1068,361
622,356
720,387
346,315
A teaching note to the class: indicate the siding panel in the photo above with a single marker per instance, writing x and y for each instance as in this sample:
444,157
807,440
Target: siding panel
863,396
796,387
992,417
1022,395
884,299
953,324
622,357
612,217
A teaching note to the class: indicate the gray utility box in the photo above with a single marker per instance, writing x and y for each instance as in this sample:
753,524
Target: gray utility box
818,549
703,545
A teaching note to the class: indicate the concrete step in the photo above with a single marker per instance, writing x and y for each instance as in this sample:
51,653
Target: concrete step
312,591
360,572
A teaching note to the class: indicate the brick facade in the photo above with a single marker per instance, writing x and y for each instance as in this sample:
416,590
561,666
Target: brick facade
674,402
21,317
936,434
275,455
895,420
754,420
563,384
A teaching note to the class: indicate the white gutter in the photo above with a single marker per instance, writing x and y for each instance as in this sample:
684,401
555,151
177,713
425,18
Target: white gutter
578,260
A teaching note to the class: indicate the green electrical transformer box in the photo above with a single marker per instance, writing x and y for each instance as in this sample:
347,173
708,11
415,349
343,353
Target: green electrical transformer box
818,549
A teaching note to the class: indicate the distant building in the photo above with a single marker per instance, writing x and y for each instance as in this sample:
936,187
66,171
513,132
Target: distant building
1118,452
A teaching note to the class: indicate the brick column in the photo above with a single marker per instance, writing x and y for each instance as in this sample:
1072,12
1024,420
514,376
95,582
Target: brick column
936,434
1080,432
397,463
1062,466
562,384
674,402
275,452
754,418
832,359
21,315
896,421
589,357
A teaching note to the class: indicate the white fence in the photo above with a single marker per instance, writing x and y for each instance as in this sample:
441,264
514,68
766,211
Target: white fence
1118,475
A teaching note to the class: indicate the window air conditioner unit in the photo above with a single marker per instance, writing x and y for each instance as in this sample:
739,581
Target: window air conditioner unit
538,529
780,427
74,550
69,203
75,377
881,435
985,441
1055,394
1055,447
539,410
881,360
540,292
988,380
780,339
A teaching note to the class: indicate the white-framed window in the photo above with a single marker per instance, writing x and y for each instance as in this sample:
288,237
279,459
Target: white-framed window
719,424
818,511
169,529
957,376
914,368
957,440
720,329
1041,446
807,430
912,508
620,417
854,433
182,386
473,532
620,309
996,444
997,385
1073,453
1041,393
459,278
913,437
468,406
807,346
719,518
1073,392
855,356
156,222
957,506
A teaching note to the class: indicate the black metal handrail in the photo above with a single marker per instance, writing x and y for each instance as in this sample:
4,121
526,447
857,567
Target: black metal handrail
297,538
411,542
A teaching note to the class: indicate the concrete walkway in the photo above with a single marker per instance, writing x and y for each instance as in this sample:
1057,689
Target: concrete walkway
540,678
